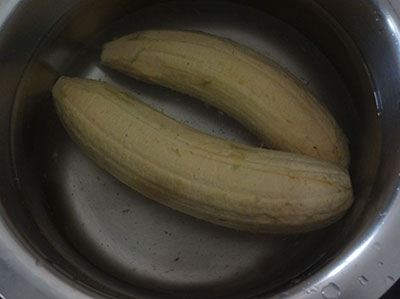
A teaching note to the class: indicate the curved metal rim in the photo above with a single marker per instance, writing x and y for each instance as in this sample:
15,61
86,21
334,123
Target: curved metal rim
17,257
370,268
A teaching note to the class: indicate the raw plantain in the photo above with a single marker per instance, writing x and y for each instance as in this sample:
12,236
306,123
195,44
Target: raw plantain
249,87
223,182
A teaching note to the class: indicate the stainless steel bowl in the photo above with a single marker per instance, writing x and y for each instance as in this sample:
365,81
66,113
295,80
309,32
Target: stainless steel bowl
69,230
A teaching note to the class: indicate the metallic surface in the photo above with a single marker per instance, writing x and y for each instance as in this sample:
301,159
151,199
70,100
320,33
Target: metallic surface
69,230
136,239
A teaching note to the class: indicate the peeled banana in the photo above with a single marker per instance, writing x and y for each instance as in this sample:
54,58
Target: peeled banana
248,86
223,182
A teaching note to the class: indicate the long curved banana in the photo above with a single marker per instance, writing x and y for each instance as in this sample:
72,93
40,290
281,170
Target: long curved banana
252,89
223,182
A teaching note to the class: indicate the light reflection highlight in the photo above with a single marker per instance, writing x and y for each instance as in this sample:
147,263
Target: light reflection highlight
393,27
351,257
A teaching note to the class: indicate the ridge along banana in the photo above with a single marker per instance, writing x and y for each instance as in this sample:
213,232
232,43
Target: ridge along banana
251,88
223,182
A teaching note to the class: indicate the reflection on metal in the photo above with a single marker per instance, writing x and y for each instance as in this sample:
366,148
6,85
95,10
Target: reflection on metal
378,102
394,27
351,257
6,8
